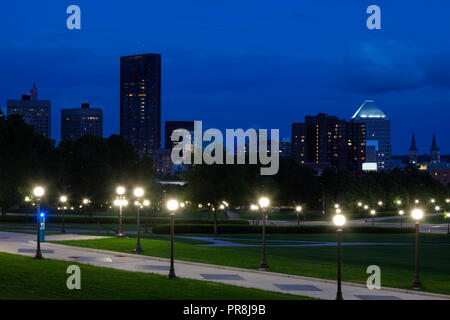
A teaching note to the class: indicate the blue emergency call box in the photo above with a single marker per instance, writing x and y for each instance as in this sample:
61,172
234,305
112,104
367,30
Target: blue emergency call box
42,227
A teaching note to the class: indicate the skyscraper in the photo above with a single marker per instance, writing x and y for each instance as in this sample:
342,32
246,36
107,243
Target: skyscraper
413,151
435,152
378,135
140,102
35,113
78,122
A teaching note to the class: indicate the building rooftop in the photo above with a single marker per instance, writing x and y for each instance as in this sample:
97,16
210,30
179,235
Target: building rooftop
369,110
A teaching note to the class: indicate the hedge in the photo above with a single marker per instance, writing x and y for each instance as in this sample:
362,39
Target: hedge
228,228
113,220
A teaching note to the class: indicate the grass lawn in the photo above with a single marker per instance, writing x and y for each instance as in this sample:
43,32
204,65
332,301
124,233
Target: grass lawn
25,278
427,219
396,262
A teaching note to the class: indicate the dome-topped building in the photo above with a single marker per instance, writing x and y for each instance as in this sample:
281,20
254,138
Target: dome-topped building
378,135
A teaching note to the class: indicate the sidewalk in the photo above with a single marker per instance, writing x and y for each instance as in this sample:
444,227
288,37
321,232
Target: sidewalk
23,244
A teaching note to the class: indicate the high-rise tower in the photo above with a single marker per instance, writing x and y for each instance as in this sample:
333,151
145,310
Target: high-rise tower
140,102
378,135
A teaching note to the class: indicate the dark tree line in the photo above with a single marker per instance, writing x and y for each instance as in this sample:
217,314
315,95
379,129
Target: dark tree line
92,167
89,167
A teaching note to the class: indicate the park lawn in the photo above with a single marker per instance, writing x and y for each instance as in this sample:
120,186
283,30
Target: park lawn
27,279
426,220
396,262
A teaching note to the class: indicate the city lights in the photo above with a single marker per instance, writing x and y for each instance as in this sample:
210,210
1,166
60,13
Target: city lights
38,192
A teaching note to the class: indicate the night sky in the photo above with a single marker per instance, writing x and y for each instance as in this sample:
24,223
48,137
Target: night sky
240,64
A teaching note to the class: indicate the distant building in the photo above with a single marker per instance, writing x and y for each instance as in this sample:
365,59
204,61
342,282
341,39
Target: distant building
162,162
140,102
441,174
36,113
2,116
378,135
285,148
324,139
413,151
171,126
298,143
78,122
435,152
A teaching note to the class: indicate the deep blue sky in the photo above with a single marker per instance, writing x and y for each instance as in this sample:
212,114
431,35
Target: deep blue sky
240,64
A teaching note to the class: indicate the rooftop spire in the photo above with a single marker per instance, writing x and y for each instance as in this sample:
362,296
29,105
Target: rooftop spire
434,146
413,146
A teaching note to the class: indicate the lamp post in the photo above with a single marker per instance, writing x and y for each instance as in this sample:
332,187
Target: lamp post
138,193
359,209
63,200
172,205
254,208
417,214
401,213
120,201
372,213
298,209
323,197
339,221
263,204
38,193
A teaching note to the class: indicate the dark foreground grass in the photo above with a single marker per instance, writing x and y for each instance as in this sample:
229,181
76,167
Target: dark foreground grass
25,278
396,262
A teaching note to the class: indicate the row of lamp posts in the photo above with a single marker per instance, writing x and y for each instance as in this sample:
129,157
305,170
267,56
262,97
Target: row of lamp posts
173,205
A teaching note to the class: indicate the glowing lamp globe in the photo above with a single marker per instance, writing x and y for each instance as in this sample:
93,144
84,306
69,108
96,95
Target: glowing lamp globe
264,202
339,220
138,192
120,190
172,205
417,214
38,192
63,199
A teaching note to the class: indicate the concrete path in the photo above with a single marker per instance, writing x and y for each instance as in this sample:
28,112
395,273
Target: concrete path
23,244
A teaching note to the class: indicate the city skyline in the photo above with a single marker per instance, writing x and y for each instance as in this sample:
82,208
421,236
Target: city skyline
213,73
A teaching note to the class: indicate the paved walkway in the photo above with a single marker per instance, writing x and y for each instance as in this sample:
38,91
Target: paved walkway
23,244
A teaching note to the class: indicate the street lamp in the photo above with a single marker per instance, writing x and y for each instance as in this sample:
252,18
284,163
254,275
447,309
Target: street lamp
339,221
372,213
380,203
336,206
263,204
437,208
63,200
120,202
399,202
138,193
433,200
298,209
172,205
38,193
360,206
254,208
401,213
417,214
338,211
416,201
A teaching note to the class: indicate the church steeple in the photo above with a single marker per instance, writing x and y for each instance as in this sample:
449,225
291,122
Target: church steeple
413,151
435,151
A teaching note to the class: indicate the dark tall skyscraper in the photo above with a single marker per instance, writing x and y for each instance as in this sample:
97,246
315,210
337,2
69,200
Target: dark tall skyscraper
140,102
171,126
81,121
